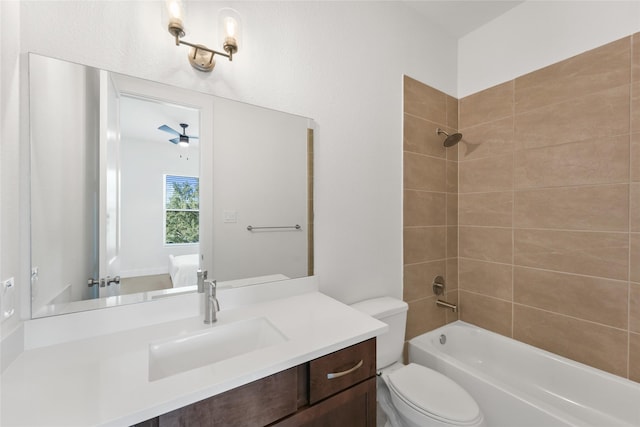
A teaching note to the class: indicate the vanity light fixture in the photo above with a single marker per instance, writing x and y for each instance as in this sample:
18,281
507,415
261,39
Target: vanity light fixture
200,56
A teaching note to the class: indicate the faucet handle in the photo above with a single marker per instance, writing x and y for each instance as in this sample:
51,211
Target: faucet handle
202,276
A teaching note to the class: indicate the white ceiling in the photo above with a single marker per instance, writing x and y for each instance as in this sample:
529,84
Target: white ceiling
140,119
460,17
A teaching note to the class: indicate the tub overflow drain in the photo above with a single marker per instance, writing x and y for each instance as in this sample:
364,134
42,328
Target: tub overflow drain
443,339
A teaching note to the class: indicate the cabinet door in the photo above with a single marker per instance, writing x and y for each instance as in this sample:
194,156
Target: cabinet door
255,404
354,407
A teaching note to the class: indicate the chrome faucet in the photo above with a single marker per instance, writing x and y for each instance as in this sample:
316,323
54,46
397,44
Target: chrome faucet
211,304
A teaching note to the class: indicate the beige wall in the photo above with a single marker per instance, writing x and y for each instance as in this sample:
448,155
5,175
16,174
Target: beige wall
430,205
548,209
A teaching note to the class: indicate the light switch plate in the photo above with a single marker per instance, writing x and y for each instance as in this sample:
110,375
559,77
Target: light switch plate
8,305
230,216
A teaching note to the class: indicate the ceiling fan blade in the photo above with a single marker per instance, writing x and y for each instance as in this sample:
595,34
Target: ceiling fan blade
168,129
194,137
175,140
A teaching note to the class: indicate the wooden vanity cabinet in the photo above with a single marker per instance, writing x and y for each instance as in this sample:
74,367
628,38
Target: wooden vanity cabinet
338,389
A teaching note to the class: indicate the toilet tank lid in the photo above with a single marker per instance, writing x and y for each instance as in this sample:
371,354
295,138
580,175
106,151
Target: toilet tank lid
381,307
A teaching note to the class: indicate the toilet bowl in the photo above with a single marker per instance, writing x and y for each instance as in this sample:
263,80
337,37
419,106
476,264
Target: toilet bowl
413,395
424,397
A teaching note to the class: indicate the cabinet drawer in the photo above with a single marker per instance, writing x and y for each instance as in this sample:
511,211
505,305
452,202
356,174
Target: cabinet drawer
337,371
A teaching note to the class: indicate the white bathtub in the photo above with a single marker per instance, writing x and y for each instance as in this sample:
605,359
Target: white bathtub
517,385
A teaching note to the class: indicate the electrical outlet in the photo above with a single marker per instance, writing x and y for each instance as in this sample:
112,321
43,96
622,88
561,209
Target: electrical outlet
8,305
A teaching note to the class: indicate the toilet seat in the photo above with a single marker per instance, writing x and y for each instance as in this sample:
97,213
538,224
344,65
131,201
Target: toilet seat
433,395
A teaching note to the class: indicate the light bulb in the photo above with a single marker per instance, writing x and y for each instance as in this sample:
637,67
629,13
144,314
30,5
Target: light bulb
175,10
230,29
230,26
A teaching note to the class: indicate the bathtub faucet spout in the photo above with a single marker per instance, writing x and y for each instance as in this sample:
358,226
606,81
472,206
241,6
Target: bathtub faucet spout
441,303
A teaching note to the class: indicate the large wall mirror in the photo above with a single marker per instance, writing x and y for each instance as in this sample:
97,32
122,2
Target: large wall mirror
135,185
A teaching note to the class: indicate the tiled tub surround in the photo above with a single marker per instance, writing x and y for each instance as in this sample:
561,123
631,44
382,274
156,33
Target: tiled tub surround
540,240
549,208
430,205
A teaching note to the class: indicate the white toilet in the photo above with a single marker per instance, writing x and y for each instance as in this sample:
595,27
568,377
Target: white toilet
413,395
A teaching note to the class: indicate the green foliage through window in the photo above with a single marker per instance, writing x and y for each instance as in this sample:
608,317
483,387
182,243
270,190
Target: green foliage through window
182,209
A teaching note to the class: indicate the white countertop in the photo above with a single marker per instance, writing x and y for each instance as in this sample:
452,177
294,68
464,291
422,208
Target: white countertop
104,380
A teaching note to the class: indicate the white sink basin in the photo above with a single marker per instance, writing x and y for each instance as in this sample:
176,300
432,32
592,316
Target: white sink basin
207,346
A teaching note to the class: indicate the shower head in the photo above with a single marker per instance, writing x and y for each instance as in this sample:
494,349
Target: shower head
452,139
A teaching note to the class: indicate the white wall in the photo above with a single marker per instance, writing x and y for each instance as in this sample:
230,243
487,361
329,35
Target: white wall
13,217
340,63
539,33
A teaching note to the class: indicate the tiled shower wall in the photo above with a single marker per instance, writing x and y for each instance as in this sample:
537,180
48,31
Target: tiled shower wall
430,205
548,210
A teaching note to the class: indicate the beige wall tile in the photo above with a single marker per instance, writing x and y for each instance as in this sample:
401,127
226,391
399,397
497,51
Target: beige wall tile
420,137
424,173
595,161
489,313
453,298
452,209
634,209
593,71
635,157
452,152
423,316
634,241
452,112
581,252
635,107
573,295
489,209
597,115
487,139
486,174
451,279
490,104
424,208
485,243
634,357
486,278
423,244
418,279
635,57
424,101
452,241
600,346
634,305
602,207
452,176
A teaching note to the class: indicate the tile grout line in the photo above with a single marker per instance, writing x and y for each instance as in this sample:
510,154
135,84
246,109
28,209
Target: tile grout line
513,209
629,211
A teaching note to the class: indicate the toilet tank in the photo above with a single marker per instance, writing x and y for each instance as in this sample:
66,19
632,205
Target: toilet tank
393,312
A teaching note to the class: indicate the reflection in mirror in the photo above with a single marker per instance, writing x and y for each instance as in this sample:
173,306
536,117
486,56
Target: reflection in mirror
158,173
135,185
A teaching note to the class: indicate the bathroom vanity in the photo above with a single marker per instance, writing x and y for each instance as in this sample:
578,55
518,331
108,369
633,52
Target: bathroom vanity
336,389
133,376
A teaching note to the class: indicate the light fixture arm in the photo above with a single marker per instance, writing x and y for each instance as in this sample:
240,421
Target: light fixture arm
199,47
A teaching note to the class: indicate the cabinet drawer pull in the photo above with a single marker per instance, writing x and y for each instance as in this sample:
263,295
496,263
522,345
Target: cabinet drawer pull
333,375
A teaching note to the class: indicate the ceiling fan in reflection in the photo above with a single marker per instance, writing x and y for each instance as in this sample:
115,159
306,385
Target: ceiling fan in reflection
182,138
